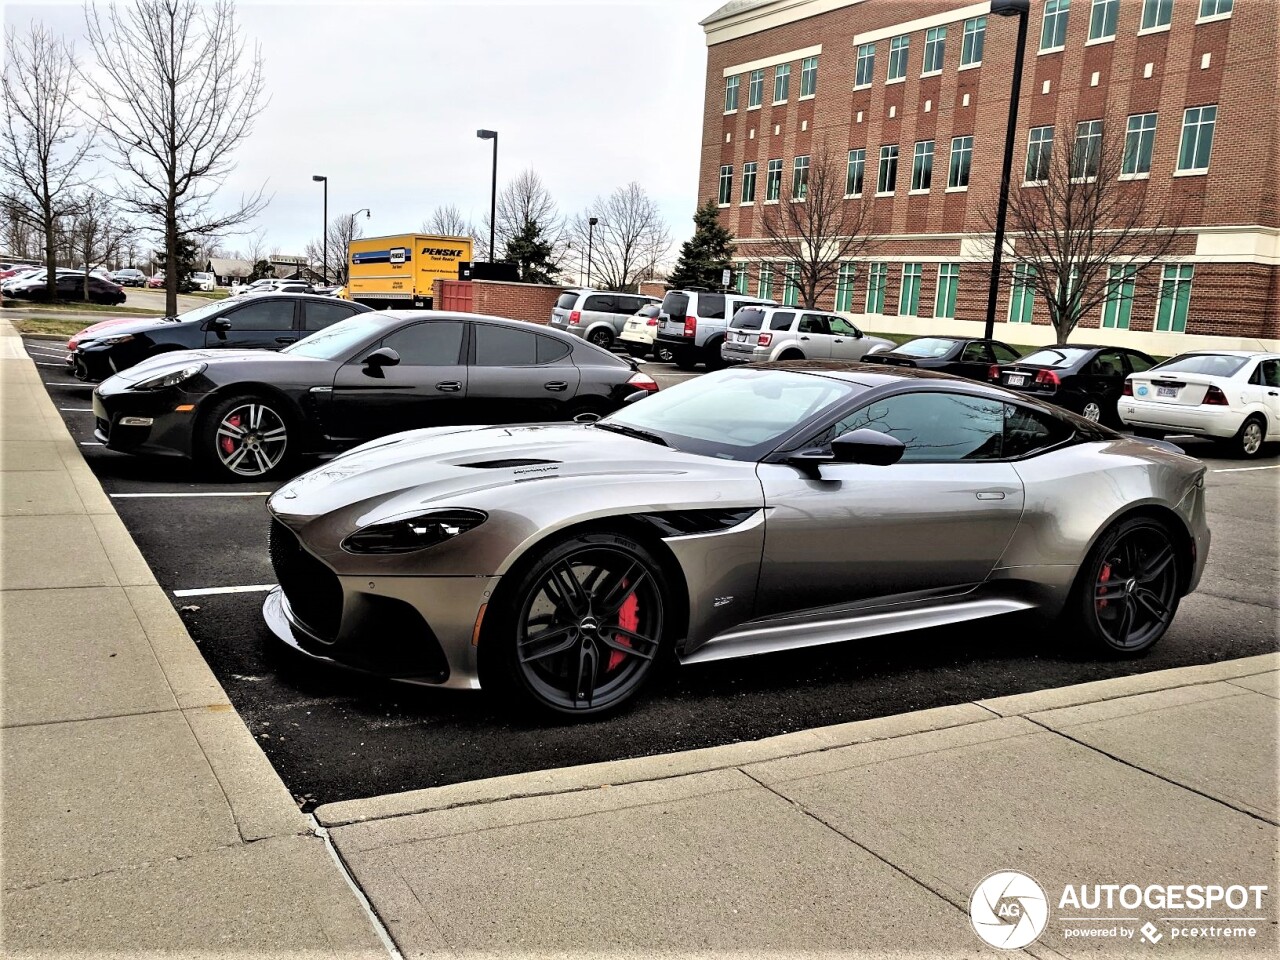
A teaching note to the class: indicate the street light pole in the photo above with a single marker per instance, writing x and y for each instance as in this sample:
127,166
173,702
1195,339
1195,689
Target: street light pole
324,242
1020,9
493,190
591,226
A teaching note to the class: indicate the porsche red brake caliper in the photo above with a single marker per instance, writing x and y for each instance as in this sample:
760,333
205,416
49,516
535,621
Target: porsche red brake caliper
1104,577
628,619
227,443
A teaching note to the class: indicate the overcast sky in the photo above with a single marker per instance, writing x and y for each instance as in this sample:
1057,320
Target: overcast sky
385,99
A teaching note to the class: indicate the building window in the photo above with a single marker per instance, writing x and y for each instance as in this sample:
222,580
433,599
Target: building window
740,278
1215,8
764,290
975,36
800,178
844,287
749,182
1039,154
791,285
1197,139
1102,19
865,71
1084,159
935,43
899,51
961,160
922,166
726,185
1053,30
773,180
1120,285
857,168
808,76
877,279
1156,13
1175,299
755,88
781,82
948,287
887,181
730,94
1138,141
1022,293
909,298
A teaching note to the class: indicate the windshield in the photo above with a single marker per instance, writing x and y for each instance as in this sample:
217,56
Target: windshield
337,342
204,312
1055,357
1210,364
734,414
926,347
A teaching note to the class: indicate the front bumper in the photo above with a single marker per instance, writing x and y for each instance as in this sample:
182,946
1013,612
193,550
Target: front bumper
1221,422
145,421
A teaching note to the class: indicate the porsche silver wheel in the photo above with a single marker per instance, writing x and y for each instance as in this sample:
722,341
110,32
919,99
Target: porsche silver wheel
251,439
1092,411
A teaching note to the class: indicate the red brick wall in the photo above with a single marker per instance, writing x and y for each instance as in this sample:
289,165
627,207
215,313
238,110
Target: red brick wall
653,288
515,301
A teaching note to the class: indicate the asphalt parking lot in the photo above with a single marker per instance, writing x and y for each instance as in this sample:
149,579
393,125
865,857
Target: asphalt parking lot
333,736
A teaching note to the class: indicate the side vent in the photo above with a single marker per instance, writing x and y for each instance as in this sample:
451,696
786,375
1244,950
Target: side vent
683,523
505,464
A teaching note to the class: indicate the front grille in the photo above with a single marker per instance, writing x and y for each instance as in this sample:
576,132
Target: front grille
312,589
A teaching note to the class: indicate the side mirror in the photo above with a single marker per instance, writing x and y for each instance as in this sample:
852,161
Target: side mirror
867,446
219,323
382,357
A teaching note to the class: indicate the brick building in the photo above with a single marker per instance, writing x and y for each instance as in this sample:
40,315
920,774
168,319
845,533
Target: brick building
910,83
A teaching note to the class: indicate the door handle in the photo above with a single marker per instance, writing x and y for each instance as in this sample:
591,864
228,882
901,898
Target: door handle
449,386
990,494
284,339
1273,393
804,338
838,340
555,386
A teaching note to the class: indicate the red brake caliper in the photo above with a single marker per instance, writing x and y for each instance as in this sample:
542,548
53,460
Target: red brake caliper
628,619
227,443
1104,577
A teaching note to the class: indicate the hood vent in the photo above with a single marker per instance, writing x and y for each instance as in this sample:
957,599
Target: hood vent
506,464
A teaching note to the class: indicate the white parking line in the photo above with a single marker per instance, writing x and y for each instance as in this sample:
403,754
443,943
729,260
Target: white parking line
63,383
76,409
211,591
59,365
55,356
90,443
1274,466
236,493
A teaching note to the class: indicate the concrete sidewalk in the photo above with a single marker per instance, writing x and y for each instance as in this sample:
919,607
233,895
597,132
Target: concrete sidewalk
139,817
864,839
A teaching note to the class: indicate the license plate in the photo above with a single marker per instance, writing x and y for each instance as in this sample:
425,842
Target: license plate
1017,381
740,337
1166,391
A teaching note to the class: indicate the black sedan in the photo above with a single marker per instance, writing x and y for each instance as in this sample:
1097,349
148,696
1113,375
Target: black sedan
958,356
246,413
268,322
1086,379
69,287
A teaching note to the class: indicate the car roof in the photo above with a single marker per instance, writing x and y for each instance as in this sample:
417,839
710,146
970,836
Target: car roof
1227,353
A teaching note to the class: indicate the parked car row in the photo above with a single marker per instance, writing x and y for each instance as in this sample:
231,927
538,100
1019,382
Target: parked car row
69,285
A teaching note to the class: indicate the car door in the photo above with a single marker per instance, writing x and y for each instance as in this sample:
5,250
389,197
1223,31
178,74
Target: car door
427,388
518,376
1100,380
1264,386
813,336
938,519
846,339
264,323
974,361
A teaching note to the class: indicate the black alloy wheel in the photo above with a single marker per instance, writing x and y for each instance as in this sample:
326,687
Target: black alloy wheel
601,338
1129,586
585,627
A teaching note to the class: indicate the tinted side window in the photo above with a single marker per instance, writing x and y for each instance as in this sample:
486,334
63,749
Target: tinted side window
975,351
1026,431
601,303
1137,362
629,304
934,426
549,350
1003,353
711,306
435,343
675,304
1107,364
263,315
781,320
317,316
566,301
504,347
812,323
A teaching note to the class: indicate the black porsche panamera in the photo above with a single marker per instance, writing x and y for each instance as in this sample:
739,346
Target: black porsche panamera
245,414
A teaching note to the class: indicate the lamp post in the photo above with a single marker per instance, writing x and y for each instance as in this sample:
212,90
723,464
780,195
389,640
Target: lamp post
591,226
493,191
324,242
1020,9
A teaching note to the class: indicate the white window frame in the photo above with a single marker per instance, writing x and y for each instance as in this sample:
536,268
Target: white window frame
1093,133
1025,290
1179,170
731,83
1176,279
849,166
773,167
846,278
952,273
755,88
1218,14
926,168
1129,133
783,70
726,185
876,271
865,54
885,159
1061,10
750,170
934,37
979,28
1027,181
1155,7
916,276
806,70
800,184
958,147
900,52
1104,5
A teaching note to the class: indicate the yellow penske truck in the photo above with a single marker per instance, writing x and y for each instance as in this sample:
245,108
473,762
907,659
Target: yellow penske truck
397,272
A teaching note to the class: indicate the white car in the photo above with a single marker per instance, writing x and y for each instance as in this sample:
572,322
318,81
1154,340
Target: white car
204,281
1229,395
638,333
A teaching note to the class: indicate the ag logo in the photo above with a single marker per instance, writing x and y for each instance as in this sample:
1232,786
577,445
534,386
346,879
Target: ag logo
1008,910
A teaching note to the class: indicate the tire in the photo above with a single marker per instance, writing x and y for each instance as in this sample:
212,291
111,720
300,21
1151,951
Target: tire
266,454
792,355
601,338
577,407
686,361
1128,589
554,638
1251,438
1092,411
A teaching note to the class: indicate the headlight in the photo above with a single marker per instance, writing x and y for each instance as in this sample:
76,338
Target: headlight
413,533
171,379
122,338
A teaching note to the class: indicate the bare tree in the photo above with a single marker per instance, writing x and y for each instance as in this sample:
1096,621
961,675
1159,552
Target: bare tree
448,221
815,227
43,144
1077,234
255,245
179,94
97,233
523,202
627,242
342,230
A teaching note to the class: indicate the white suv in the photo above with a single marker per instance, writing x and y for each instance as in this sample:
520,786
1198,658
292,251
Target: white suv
790,333
692,324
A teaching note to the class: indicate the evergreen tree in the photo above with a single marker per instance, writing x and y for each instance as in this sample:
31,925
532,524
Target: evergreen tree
534,253
705,255
185,249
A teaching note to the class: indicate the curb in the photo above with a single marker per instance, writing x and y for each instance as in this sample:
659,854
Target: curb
665,766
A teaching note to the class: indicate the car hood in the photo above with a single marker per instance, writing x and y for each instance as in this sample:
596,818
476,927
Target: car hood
214,359
132,326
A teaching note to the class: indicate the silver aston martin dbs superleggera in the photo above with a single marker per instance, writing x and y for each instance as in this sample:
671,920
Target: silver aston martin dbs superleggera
754,509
